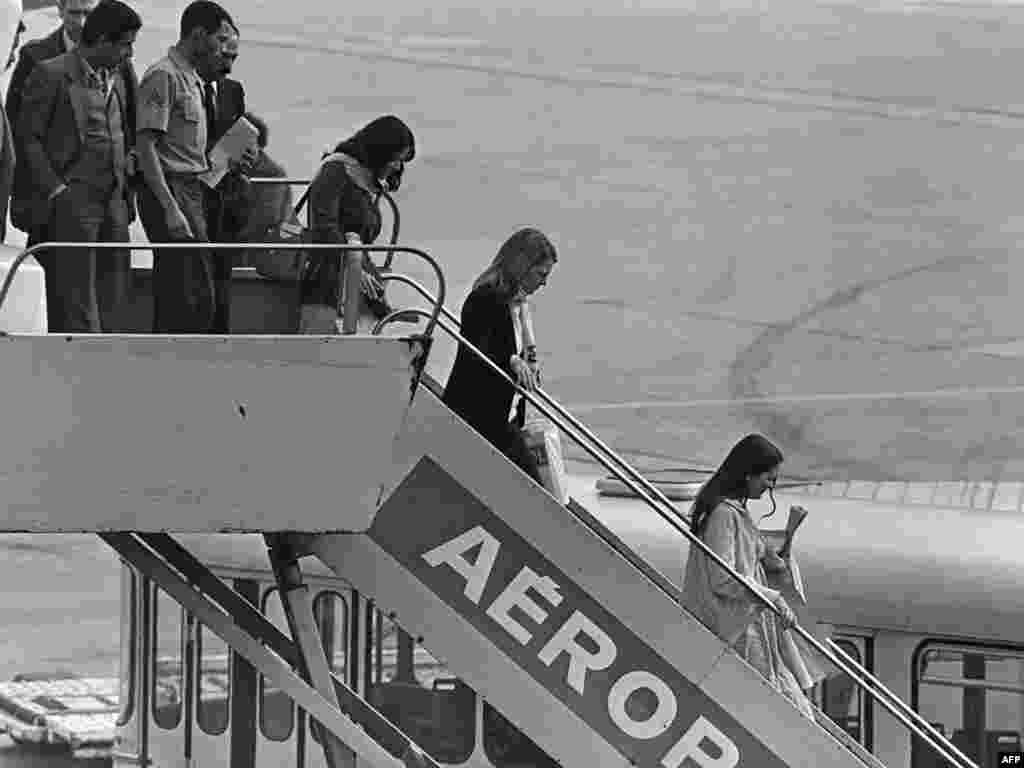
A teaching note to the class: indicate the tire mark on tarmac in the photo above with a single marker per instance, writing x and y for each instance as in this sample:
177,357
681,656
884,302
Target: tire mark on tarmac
757,356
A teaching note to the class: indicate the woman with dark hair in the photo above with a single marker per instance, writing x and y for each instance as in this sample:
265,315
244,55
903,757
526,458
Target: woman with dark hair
720,518
491,322
343,209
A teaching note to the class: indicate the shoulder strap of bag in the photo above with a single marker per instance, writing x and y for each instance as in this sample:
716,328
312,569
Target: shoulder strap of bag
334,157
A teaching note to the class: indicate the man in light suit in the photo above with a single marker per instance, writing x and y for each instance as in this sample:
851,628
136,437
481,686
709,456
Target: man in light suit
73,14
73,129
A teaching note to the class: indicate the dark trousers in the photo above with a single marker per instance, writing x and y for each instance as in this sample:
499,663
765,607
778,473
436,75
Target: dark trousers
84,287
45,259
220,226
184,292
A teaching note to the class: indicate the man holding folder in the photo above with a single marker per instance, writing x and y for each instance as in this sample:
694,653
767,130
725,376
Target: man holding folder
224,105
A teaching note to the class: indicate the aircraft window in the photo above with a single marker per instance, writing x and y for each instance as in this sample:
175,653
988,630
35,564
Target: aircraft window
920,493
214,686
982,496
331,613
950,494
861,490
841,698
129,630
277,711
891,493
1007,497
417,693
168,673
330,610
974,695
834,490
507,747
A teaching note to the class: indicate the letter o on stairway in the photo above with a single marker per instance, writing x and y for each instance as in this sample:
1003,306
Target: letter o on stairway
656,723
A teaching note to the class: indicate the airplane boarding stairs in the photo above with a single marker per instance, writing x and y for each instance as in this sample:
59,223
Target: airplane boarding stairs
548,617
534,604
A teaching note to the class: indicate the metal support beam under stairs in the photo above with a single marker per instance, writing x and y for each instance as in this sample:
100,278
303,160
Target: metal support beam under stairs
358,727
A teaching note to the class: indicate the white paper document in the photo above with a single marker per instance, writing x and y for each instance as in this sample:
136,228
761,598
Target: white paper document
231,146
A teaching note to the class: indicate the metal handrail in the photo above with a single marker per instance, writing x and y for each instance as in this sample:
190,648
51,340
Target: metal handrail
659,502
130,246
396,224
270,180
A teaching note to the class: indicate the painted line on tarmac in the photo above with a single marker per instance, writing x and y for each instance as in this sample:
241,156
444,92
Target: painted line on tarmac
960,393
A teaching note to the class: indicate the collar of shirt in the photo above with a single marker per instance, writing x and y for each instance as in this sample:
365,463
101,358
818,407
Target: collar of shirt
69,44
183,64
100,76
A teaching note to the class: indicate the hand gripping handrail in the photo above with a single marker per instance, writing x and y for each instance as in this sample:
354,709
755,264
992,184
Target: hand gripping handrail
583,437
433,315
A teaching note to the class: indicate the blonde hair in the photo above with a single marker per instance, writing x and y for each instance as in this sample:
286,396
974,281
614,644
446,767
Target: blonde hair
519,254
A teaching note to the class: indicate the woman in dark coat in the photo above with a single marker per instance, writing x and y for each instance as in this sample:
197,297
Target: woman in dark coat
343,209
490,321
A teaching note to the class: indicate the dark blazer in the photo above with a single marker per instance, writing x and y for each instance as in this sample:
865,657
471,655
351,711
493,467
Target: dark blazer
230,106
50,47
31,54
7,167
342,198
51,130
226,209
474,391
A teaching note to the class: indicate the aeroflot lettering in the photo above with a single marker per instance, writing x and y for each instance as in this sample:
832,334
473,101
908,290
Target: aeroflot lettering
544,622
589,648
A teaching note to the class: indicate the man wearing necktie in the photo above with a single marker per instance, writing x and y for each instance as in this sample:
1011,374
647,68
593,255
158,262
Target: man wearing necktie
224,103
72,14
74,129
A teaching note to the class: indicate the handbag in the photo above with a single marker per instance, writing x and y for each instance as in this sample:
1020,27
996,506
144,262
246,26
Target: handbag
285,264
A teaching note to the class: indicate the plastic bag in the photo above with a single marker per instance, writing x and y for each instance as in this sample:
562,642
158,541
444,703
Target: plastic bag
544,442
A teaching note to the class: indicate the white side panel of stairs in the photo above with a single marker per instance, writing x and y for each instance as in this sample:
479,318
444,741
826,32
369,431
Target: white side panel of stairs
200,434
519,598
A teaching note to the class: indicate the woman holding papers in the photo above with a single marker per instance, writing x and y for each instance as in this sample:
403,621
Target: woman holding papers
492,321
722,521
343,208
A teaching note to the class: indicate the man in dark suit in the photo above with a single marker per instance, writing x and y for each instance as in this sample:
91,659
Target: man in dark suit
224,103
74,129
13,24
73,14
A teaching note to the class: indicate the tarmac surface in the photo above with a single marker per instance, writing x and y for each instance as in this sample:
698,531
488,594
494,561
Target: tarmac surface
800,219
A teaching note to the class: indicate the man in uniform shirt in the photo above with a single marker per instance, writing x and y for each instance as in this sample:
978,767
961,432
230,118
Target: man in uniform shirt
172,139
73,129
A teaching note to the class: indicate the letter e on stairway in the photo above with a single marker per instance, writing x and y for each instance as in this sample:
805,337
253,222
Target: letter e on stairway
580,659
454,554
515,594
